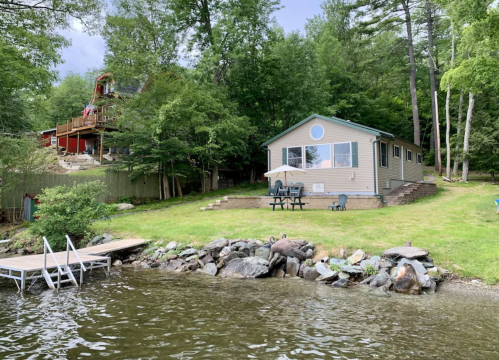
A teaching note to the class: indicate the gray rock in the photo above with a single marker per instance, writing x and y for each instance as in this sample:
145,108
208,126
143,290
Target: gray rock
241,244
329,277
249,267
210,269
351,269
434,274
226,251
172,245
337,262
394,272
344,275
280,273
20,252
292,266
4,250
216,245
367,280
96,240
277,260
136,264
405,252
123,206
192,257
386,264
342,283
297,253
374,263
310,254
145,265
302,267
117,263
381,279
174,265
321,268
427,265
432,288
187,253
207,259
379,292
376,258
357,257
424,280
310,273
415,264
107,238
235,255
264,253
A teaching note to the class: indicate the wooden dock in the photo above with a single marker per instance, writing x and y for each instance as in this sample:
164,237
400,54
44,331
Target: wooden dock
32,267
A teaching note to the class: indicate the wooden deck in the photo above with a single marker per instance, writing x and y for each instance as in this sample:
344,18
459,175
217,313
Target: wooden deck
29,267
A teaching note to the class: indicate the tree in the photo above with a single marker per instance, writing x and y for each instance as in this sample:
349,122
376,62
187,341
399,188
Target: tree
21,162
69,211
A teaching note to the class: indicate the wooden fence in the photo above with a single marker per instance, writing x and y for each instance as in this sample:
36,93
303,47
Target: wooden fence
117,183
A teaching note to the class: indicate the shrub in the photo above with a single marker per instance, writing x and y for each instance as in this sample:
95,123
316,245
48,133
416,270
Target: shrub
125,200
69,210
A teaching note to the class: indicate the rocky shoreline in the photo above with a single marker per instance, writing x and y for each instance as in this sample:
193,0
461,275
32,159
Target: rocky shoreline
407,270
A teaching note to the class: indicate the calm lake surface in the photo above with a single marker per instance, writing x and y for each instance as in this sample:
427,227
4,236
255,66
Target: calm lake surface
152,314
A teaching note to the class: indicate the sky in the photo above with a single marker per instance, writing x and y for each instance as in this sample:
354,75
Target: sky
87,52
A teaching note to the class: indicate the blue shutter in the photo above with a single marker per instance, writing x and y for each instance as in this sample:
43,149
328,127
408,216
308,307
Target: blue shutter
285,156
355,154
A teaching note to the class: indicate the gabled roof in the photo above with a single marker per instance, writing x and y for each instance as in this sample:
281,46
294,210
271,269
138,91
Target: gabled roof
337,121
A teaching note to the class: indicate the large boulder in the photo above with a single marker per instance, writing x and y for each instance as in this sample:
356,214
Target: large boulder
216,245
322,269
276,260
174,265
380,279
249,267
328,277
124,206
210,269
406,281
292,266
405,252
374,262
415,264
262,252
357,257
235,255
310,273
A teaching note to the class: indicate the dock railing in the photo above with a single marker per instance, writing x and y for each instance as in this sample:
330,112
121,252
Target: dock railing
46,246
69,244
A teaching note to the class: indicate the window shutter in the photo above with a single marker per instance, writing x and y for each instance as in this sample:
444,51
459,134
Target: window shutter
387,157
355,154
379,153
393,150
285,156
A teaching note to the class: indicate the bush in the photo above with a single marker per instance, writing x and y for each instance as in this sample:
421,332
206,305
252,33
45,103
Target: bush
69,210
125,200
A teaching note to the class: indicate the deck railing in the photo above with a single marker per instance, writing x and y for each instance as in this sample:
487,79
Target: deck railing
93,120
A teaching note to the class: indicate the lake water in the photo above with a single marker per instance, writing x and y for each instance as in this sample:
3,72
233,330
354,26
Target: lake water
154,314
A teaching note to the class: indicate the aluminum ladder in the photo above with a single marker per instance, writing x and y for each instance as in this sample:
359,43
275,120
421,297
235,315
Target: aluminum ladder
61,270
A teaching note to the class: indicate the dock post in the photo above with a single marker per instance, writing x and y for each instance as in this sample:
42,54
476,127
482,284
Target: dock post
81,276
109,266
23,280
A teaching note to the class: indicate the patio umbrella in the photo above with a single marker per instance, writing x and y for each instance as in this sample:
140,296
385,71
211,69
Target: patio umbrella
285,169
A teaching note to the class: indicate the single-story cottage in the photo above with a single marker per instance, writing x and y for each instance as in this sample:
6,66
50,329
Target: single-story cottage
342,157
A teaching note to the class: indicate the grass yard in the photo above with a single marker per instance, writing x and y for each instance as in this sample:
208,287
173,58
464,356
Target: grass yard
458,225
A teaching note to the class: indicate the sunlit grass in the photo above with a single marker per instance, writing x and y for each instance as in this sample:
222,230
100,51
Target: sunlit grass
459,226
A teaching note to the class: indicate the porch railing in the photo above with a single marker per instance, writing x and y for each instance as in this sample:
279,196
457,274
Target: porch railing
81,122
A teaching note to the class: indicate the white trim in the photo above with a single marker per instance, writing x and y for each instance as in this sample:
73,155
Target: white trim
343,167
396,146
53,140
305,157
381,155
406,157
287,155
402,161
310,132
417,158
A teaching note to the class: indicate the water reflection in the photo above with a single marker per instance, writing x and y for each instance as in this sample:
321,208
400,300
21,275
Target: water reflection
150,314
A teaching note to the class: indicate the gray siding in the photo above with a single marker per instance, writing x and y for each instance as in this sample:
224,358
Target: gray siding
336,180
412,170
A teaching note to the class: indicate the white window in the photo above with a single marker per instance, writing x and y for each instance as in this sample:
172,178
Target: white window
53,140
318,187
318,156
317,132
419,157
295,157
396,151
409,155
383,153
342,155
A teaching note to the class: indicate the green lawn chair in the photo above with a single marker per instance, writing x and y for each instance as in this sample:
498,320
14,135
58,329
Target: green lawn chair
296,191
342,201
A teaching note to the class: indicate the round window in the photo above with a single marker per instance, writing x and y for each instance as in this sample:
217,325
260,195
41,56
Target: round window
317,132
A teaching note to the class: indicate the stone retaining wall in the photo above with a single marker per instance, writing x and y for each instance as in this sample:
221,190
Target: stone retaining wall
355,202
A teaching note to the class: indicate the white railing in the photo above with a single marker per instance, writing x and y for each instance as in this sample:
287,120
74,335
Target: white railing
69,244
46,246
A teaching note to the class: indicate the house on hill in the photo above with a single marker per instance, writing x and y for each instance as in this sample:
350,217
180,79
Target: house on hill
342,157
84,134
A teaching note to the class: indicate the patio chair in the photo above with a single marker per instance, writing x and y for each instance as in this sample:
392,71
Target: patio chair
296,191
273,190
282,191
342,200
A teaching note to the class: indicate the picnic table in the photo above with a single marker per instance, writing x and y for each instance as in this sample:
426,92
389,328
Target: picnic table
287,200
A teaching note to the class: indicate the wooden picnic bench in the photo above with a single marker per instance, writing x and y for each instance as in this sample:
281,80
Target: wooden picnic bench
297,203
283,200
277,203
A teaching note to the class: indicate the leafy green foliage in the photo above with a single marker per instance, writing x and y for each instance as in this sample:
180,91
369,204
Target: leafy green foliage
69,210
370,270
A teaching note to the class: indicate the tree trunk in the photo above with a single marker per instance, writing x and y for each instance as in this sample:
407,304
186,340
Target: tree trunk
431,64
437,136
179,189
160,185
467,131
173,179
252,175
459,121
214,178
166,186
414,96
493,177
447,132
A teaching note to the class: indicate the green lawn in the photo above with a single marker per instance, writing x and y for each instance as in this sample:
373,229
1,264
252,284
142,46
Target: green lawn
459,226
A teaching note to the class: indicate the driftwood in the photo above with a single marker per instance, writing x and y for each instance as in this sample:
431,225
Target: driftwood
450,180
